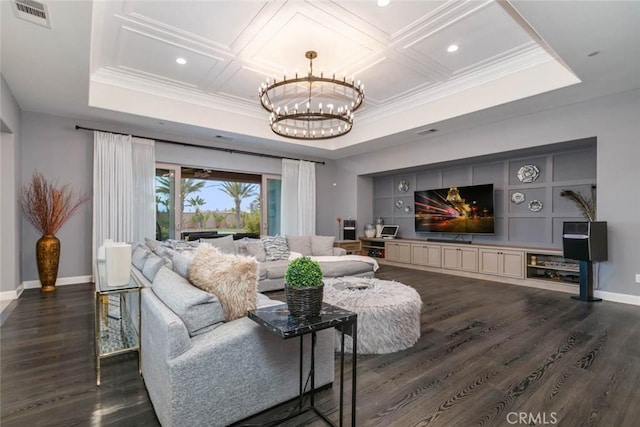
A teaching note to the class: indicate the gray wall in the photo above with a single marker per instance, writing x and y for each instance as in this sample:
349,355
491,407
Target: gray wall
563,166
52,146
9,191
613,120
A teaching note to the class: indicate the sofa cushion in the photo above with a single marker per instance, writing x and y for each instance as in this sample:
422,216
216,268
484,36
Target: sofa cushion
275,247
182,262
232,278
139,256
251,247
151,266
224,244
301,244
199,310
275,269
322,245
343,268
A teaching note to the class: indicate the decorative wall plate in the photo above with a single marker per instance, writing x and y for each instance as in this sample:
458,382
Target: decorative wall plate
403,186
517,198
528,173
535,206
399,204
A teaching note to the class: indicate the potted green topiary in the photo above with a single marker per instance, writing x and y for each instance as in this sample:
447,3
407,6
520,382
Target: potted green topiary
303,287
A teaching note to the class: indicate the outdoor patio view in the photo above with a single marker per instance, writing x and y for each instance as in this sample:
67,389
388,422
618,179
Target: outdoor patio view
206,202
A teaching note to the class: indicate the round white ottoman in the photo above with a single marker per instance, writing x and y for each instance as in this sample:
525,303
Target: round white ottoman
388,313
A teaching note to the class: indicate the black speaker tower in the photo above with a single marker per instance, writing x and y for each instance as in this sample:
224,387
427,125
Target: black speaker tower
586,242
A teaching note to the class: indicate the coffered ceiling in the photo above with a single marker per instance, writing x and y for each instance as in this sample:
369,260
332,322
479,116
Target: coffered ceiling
124,56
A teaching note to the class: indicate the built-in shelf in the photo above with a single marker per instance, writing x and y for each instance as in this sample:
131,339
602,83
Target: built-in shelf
552,267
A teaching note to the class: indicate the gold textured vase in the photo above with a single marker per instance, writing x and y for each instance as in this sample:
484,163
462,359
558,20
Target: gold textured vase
48,257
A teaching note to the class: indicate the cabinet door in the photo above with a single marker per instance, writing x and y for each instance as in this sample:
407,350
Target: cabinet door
404,253
513,264
469,259
433,255
418,254
398,252
450,257
489,261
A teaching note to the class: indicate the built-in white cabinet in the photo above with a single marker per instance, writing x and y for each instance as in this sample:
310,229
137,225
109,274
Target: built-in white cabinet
460,258
426,254
398,252
501,263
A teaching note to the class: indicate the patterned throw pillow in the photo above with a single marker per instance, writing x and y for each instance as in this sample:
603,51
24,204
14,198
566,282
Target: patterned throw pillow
275,247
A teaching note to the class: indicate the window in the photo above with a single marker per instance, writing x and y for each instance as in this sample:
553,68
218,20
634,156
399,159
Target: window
214,201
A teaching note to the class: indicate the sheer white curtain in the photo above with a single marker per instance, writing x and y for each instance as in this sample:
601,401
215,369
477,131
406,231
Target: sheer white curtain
123,191
143,157
298,202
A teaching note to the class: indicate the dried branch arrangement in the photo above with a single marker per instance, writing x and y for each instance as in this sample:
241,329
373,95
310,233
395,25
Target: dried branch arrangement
47,206
586,206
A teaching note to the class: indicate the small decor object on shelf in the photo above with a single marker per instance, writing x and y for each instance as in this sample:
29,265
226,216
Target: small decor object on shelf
399,204
407,209
403,186
517,198
304,287
528,173
339,219
535,206
379,226
48,207
369,231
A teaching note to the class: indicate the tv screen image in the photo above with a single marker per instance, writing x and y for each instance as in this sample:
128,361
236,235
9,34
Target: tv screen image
460,210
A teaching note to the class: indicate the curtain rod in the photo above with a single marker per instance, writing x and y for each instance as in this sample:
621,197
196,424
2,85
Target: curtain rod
186,144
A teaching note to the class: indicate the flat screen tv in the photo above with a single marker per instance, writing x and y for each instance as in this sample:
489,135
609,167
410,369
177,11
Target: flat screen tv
458,210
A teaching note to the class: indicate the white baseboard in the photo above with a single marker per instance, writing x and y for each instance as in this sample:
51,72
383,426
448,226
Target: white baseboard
35,284
11,295
615,297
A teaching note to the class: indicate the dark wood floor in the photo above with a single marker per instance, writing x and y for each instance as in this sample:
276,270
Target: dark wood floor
488,352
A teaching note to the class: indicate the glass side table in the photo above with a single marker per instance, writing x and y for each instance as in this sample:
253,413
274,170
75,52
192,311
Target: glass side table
279,321
114,329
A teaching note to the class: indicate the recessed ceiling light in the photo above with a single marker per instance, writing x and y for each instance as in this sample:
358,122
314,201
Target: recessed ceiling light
181,61
452,48
383,3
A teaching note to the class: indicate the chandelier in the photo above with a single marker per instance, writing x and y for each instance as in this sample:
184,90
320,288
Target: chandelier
311,107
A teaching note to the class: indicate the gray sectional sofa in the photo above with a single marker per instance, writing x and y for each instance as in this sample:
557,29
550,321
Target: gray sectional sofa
201,370
273,255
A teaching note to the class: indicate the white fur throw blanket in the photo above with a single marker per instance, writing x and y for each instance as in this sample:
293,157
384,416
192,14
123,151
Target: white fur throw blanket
232,279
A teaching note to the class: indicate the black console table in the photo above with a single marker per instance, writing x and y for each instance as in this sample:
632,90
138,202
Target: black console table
279,321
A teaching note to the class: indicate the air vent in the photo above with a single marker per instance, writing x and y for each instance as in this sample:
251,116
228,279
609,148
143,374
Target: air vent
426,131
32,11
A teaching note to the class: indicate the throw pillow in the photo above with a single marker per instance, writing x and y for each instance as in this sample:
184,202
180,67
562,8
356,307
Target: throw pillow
139,256
232,279
275,247
322,245
151,266
251,247
224,244
182,262
301,244
200,311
